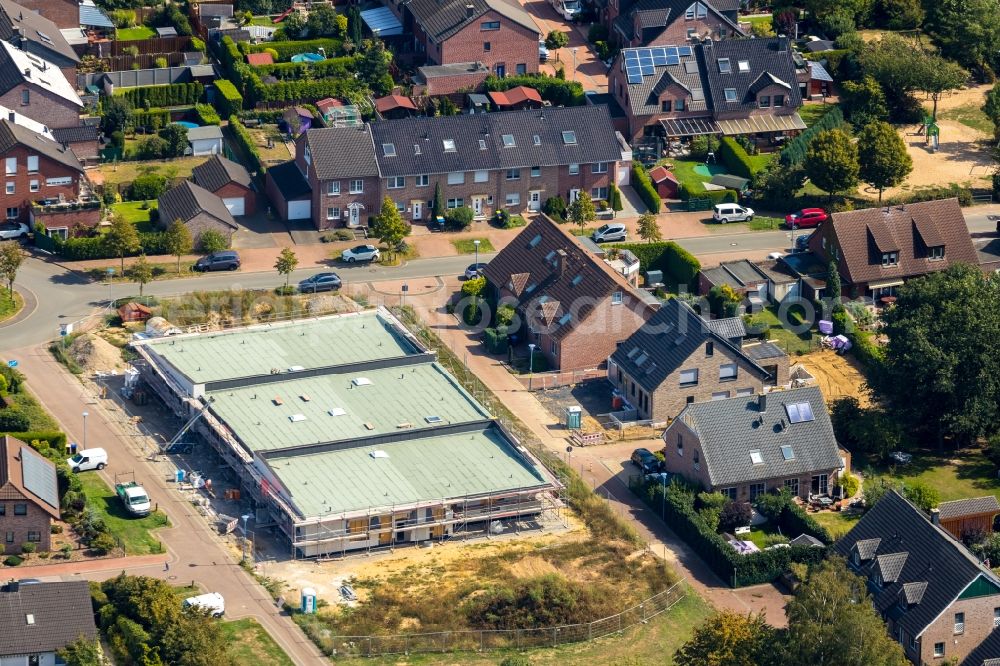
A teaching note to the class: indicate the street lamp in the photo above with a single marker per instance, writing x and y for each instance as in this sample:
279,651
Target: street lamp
574,62
85,415
111,282
476,243
531,363
245,517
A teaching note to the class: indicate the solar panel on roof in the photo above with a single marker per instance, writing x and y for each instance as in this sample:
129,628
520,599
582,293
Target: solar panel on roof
684,50
659,51
659,60
648,69
673,60
672,50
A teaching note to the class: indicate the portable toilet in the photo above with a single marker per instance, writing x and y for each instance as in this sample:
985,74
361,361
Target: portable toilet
574,417
308,600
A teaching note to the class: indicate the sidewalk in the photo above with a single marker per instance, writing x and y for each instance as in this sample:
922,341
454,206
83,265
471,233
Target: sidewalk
195,552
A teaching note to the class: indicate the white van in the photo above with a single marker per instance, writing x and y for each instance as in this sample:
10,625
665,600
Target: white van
211,602
88,459
730,212
568,9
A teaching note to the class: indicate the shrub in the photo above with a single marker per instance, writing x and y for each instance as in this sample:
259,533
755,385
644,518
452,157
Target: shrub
197,44
679,266
147,185
794,151
103,543
735,514
242,138
211,241
205,114
12,420
616,198
227,99
555,207
55,528
545,601
173,94
735,157
13,560
151,120
685,193
285,50
459,219
645,188
28,548
66,549
849,483
495,340
151,148
552,89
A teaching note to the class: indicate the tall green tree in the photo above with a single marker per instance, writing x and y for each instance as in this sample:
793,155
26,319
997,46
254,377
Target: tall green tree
176,138
322,21
115,114
942,360
967,31
82,652
833,287
140,272
555,40
438,208
882,157
899,14
178,241
286,263
902,66
582,210
373,66
831,622
729,639
863,101
649,230
991,107
389,226
11,258
832,161
121,238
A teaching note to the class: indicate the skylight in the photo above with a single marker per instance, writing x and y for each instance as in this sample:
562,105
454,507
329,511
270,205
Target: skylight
577,280
29,618
337,411
569,137
361,381
449,145
389,149
724,66
787,453
535,241
379,454
743,65
433,419
756,458
508,141
730,94
297,418
565,319
295,368
799,412
416,149
537,140
482,144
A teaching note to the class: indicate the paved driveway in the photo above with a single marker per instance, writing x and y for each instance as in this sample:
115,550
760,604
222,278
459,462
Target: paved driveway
590,71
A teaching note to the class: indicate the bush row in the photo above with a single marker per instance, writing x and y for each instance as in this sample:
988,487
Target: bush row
644,186
864,348
714,196
678,265
794,151
151,120
557,91
205,114
241,137
791,518
56,439
174,94
286,50
293,71
735,157
94,247
227,99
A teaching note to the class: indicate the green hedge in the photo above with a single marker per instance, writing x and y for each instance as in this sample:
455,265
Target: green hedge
642,184
679,266
241,137
93,247
227,99
56,439
735,157
293,71
794,151
716,196
153,119
174,94
557,91
791,518
206,114
286,50
864,347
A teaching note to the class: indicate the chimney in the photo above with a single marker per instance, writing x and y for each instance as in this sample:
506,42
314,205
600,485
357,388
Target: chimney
27,72
470,10
936,516
560,262
762,403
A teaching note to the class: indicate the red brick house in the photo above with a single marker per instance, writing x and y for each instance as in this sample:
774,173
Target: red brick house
29,496
198,209
230,182
36,169
572,305
732,87
497,33
37,88
662,22
878,249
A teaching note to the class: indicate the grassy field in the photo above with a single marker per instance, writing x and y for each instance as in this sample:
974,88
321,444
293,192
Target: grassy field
792,343
249,643
125,172
811,113
9,306
970,115
685,173
137,212
764,223
135,34
135,533
467,246
38,417
836,522
953,474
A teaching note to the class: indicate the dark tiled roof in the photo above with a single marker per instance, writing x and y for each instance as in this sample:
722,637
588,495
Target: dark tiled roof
764,351
663,13
730,429
932,556
342,152
60,613
595,140
12,134
988,251
528,267
218,172
819,45
968,507
863,235
78,134
289,180
666,341
770,60
32,475
728,327
187,200
441,19
987,654
643,96
42,35
806,540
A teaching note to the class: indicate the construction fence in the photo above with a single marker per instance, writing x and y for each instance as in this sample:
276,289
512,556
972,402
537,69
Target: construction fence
486,640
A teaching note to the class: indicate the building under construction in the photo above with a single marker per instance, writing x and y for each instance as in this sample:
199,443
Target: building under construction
346,433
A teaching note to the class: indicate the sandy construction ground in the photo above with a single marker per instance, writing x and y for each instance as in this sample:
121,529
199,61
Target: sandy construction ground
837,376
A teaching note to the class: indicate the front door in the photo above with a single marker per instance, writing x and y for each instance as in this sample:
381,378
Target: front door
418,210
477,206
574,195
501,70
353,215
534,201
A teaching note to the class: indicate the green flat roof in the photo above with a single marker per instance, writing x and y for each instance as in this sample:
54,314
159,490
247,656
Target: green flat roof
310,343
415,470
397,395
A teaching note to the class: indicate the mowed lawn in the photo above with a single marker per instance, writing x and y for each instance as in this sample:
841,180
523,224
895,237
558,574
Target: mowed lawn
953,474
137,212
125,172
249,643
136,533
135,34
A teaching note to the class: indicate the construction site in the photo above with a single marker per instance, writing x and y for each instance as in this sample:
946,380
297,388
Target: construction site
345,434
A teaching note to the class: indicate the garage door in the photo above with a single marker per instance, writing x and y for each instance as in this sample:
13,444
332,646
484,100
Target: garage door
235,205
299,210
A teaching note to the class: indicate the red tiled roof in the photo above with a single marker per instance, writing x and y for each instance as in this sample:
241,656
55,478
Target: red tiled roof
259,59
132,306
329,103
390,102
516,95
660,174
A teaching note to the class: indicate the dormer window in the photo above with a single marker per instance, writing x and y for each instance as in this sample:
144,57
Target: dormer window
890,258
935,253
665,106
764,101
724,66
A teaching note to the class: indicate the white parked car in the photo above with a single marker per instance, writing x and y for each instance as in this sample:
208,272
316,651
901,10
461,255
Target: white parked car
211,602
901,457
543,51
610,233
730,212
13,230
360,253
88,459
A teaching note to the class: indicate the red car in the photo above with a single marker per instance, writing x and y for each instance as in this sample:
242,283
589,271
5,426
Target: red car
805,218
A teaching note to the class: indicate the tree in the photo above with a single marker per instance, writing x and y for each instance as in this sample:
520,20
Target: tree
286,263
115,114
779,182
729,639
735,514
831,622
938,77
178,241
941,359
902,66
991,107
211,241
582,210
925,497
373,66
322,21
863,101
556,40
151,148
899,14
832,161
122,238
293,25
833,287
882,158
140,272
967,31
438,208
649,230
82,652
11,258
176,138
389,226
837,23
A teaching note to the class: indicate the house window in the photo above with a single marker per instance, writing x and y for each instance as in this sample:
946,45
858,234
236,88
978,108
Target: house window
779,100
616,298
536,172
996,616
756,490
32,163
357,186
599,193
692,33
730,493
521,69
724,66
401,207
33,186
680,445
3,509
890,259
307,155
10,188
25,97
11,165
34,536
333,188
764,101
10,537
513,174
709,348
480,176
689,399
574,169
333,213
13,213
720,395
728,372
935,253
396,182
819,484
665,106
513,199
959,623
689,377
678,105
486,47
696,459
456,177
744,392
456,203
489,25
792,486
21,509
599,167
939,649
731,94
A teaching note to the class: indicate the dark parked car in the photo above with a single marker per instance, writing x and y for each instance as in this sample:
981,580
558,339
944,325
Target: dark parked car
474,271
320,282
218,261
646,461
802,242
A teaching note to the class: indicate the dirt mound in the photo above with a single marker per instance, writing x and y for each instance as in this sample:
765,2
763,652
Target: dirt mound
93,353
532,567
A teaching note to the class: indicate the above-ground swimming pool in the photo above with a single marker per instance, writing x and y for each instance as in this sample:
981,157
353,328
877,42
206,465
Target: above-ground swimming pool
184,123
709,170
308,57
